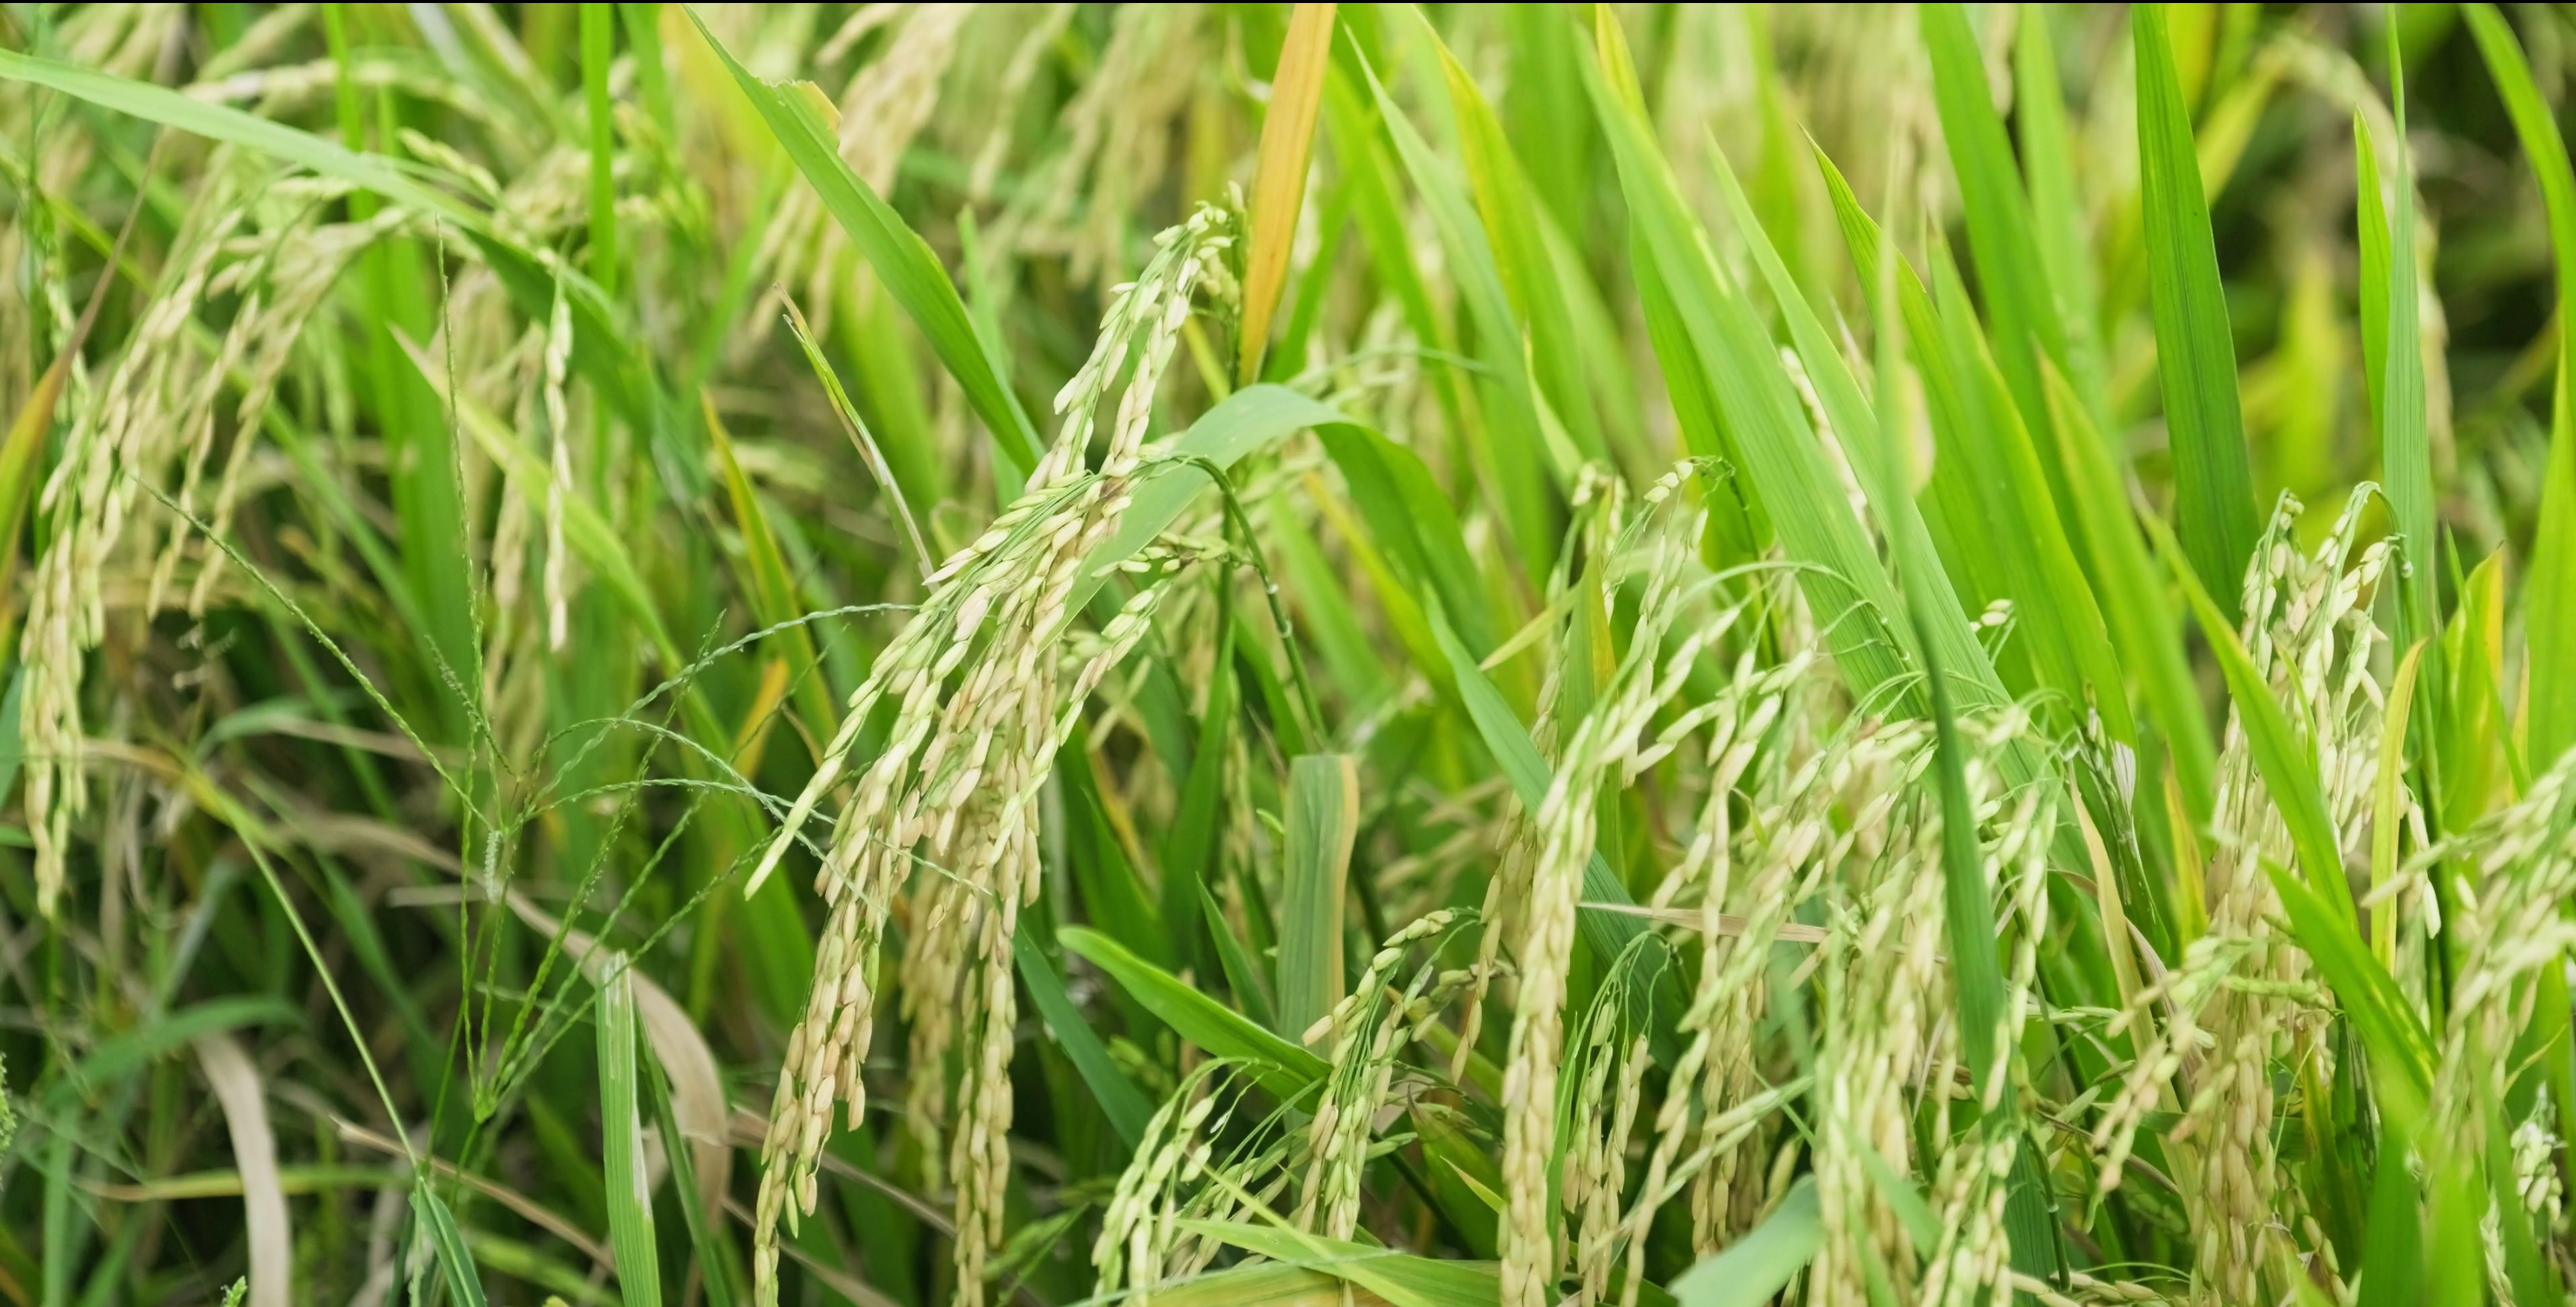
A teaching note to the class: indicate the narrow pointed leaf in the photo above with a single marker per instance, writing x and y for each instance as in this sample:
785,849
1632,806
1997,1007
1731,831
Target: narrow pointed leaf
2195,352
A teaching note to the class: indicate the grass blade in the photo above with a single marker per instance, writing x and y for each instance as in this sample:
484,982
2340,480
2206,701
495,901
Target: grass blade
1401,1279
1514,225
1279,1065
2405,445
801,119
598,46
1508,443
1797,486
2010,268
1977,982
1322,822
2549,595
1279,175
1757,1265
773,592
1119,1099
2057,209
2141,618
2195,351
630,1194
435,1226
1862,432
1250,419
1606,932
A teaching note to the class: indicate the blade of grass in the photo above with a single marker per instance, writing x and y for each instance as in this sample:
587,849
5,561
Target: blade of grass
1279,175
2058,213
1119,1099
1250,987
717,1270
435,1226
1606,932
1513,226
2142,619
1188,856
1281,1066
1401,1279
2383,819
2011,271
1757,1265
773,592
861,439
1865,439
2405,446
2195,350
2060,625
1977,983
598,47
2549,594
1322,822
2401,1053
1798,487
1508,443
630,1194
802,120
1250,419
2370,234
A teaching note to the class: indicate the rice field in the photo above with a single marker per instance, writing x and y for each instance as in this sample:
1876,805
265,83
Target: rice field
1253,655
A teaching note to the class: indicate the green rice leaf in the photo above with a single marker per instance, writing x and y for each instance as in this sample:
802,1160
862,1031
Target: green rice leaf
1252,1284
717,1268
2142,619
2195,350
2371,244
1515,228
122,1055
2405,444
1249,985
435,1226
1252,418
773,592
219,122
2058,212
2549,595
1189,855
2058,622
1412,525
1322,822
1402,1279
589,534
1857,427
2401,1054
629,1191
1797,485
2010,269
1507,444
1757,1265
1607,933
801,119
1977,985
1119,1099
1282,1067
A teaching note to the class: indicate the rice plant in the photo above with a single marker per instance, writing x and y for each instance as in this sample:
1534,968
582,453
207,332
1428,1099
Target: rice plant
1240,655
